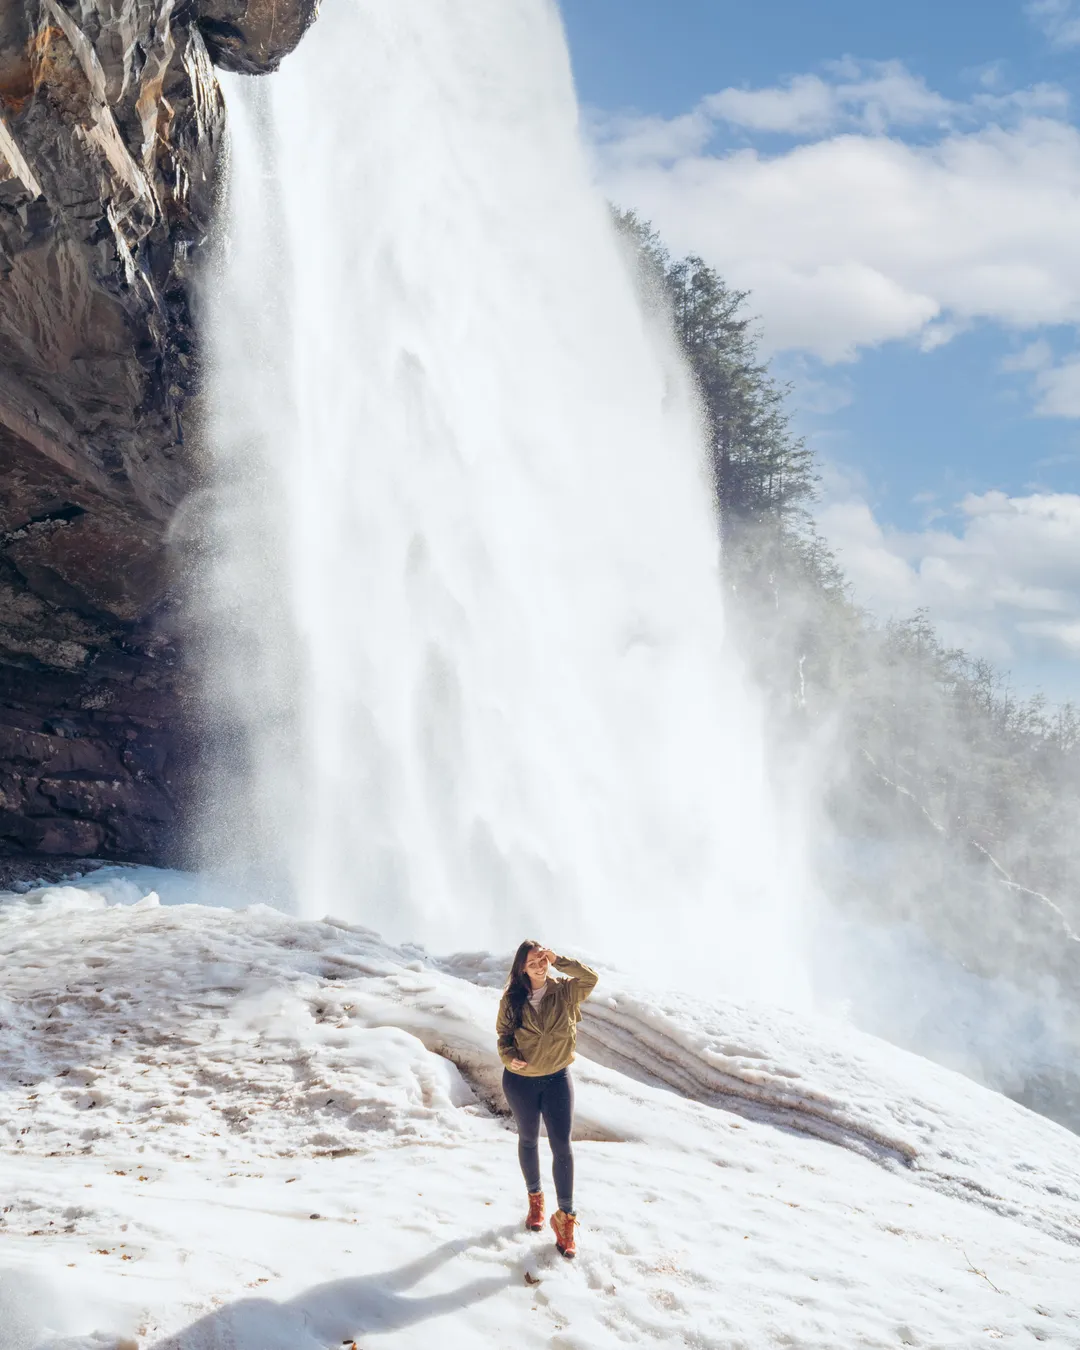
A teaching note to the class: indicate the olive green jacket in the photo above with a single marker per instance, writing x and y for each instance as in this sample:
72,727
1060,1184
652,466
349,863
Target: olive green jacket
547,1037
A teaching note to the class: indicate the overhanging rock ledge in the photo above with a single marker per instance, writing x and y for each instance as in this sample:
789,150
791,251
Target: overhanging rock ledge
111,132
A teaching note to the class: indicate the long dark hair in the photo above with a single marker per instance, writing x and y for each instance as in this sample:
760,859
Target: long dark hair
518,984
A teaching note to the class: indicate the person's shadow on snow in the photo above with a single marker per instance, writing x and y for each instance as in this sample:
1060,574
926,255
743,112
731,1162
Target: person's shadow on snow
330,1314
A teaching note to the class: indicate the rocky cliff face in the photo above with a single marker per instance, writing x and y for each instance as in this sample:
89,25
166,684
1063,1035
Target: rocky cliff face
111,131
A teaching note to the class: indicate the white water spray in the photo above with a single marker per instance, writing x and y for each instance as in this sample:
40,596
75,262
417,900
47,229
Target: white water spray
465,613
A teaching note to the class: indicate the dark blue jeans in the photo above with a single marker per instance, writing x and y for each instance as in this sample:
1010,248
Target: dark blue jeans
552,1098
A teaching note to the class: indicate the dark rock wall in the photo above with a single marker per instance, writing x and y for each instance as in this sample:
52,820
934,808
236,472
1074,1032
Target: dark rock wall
111,130
252,36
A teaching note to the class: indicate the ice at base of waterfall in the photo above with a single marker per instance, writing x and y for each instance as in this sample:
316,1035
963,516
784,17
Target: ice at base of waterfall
230,1128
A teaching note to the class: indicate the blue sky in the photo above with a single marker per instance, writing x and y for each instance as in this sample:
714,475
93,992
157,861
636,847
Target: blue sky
899,186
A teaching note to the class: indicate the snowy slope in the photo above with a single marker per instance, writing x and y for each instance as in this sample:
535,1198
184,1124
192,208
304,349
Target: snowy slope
233,1129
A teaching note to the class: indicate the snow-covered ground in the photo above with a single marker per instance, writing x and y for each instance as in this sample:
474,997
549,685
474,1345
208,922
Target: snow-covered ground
232,1129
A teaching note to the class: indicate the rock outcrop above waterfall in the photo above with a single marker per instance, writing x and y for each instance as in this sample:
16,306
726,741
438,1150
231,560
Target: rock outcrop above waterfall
111,132
252,36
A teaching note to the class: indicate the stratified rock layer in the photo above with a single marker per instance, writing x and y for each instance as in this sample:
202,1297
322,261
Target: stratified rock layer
111,127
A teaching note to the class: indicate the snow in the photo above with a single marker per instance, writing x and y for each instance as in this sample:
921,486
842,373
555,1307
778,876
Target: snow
231,1128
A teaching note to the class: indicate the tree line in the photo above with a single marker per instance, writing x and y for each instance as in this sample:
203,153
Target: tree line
946,799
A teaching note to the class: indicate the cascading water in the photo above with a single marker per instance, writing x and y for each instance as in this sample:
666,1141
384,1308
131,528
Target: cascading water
463,610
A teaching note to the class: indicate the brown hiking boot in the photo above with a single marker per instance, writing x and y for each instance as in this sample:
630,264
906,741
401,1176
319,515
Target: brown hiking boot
565,1226
535,1221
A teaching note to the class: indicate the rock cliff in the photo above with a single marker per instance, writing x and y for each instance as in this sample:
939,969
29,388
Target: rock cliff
111,132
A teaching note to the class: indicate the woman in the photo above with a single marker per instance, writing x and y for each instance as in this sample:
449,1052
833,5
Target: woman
537,1028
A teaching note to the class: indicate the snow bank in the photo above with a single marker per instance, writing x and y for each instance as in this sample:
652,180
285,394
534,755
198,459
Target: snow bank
233,1128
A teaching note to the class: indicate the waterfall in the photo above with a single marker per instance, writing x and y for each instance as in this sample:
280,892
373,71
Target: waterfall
463,619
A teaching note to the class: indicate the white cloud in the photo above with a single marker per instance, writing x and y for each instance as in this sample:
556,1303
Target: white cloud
938,334
1058,389
1004,584
1056,385
806,104
861,238
1058,19
1048,100
1034,357
871,97
630,139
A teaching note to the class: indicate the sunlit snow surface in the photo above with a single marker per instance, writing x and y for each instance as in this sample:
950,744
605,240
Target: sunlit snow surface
237,1129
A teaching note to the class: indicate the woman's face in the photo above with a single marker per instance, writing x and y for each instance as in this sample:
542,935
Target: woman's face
536,966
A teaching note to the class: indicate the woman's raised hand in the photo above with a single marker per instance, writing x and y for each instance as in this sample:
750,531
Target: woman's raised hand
546,951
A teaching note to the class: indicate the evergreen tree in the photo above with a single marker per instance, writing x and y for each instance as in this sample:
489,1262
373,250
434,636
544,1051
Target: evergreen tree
950,802
763,474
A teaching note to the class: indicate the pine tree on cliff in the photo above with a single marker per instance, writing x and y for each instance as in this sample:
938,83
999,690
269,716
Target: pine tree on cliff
763,473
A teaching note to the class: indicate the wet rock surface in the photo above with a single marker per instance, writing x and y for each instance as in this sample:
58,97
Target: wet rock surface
90,767
112,128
